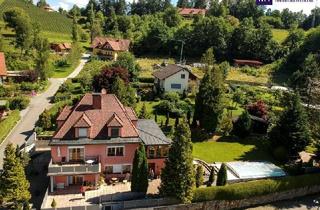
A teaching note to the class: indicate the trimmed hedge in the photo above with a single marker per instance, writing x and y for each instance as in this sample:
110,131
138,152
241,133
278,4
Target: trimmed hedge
255,188
7,124
146,79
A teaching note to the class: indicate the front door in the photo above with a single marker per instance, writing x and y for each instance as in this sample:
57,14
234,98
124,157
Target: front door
75,180
76,154
151,169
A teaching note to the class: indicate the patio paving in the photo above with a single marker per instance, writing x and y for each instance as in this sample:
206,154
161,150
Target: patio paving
72,196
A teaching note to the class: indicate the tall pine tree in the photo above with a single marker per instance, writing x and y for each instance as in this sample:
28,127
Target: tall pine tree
292,129
14,186
210,98
139,181
177,177
183,3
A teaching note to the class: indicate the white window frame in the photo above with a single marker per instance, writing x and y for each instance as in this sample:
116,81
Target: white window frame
76,147
82,129
124,153
119,165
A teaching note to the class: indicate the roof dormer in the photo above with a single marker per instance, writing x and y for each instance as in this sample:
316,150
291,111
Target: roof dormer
83,127
114,125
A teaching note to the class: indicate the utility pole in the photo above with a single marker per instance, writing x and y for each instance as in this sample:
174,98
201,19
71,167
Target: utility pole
314,15
181,51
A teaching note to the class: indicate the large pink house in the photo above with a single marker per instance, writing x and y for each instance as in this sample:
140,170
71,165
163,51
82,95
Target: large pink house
98,136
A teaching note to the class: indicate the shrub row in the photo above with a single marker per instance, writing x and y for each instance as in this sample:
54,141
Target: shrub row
7,124
255,188
146,79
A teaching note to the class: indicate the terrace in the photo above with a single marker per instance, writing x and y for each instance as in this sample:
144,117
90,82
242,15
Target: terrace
88,166
72,196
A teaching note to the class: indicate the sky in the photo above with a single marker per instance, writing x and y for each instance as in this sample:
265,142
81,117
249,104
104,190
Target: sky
293,6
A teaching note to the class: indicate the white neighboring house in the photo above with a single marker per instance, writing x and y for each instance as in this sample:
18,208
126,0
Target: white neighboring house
173,77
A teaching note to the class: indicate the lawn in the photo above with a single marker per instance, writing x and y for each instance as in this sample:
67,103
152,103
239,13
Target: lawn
279,34
230,150
62,72
148,63
7,124
235,75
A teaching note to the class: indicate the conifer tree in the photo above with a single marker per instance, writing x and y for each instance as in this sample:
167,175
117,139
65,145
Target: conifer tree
199,176
14,186
183,3
75,30
177,177
144,112
209,102
292,129
242,127
222,175
211,177
139,181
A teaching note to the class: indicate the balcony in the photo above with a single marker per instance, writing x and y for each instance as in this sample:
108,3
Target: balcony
74,167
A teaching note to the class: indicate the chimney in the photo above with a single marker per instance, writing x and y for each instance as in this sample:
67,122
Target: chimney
96,100
103,91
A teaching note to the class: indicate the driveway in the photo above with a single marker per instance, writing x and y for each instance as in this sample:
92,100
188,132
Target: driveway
37,105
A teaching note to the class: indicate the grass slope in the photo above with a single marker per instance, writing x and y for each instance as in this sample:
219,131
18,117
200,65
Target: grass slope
279,34
49,21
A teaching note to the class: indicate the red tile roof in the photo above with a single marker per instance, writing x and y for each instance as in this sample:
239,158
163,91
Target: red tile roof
110,43
111,108
131,113
254,62
83,122
115,121
191,11
3,68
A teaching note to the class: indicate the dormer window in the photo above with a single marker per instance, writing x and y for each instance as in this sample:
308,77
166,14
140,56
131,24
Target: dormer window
115,132
83,132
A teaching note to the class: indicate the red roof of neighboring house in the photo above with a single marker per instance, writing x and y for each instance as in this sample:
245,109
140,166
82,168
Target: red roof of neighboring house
112,112
255,62
110,43
192,11
3,68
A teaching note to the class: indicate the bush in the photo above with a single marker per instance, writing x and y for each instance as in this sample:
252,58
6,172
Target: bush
211,177
255,188
258,109
146,79
18,103
61,62
62,97
249,71
199,176
242,127
222,175
29,76
280,154
7,124
27,86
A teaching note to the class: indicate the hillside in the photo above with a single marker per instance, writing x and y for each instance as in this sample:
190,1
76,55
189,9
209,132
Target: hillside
49,21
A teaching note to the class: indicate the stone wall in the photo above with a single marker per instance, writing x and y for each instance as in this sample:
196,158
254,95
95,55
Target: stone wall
222,204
